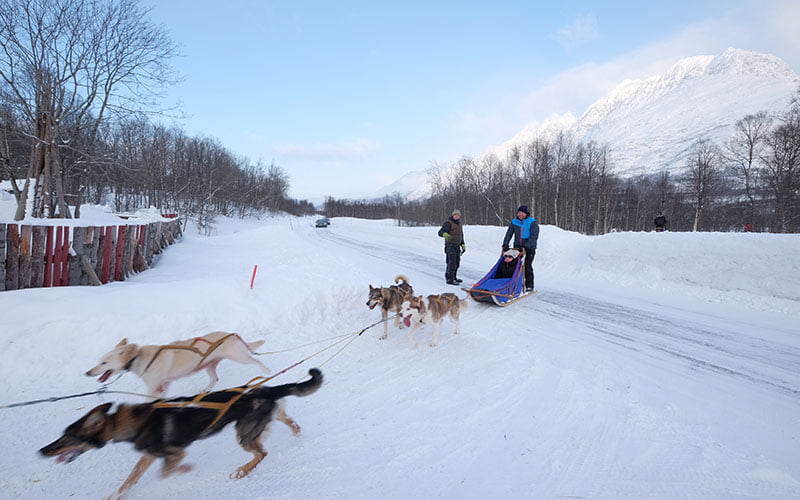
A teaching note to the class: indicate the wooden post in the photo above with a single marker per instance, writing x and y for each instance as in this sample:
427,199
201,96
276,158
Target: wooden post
37,256
2,257
12,257
58,256
119,253
48,257
25,257
102,267
63,278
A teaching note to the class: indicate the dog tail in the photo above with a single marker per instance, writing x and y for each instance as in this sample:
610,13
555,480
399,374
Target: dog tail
310,386
254,345
400,279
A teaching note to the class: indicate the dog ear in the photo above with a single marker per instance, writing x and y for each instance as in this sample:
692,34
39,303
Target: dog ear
122,342
96,418
128,352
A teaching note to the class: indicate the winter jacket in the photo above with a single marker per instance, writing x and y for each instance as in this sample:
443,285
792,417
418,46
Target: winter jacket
525,232
453,228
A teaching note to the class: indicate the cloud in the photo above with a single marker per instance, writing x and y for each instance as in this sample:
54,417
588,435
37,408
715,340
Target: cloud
764,29
581,30
358,148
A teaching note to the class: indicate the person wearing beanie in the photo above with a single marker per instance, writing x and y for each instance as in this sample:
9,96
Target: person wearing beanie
454,246
525,231
507,267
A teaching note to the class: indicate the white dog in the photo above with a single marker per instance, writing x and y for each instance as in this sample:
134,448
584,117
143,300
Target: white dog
418,311
157,365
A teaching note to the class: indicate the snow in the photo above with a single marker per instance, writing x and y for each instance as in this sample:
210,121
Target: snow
648,365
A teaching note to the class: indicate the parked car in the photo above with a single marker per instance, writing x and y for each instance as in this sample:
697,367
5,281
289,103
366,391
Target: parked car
323,222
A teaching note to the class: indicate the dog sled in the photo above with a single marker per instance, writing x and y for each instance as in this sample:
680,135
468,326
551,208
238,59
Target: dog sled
502,291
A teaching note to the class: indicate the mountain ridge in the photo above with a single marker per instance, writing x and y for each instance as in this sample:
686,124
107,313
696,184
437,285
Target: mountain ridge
652,124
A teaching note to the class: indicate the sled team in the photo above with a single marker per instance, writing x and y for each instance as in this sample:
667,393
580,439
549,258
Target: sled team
164,428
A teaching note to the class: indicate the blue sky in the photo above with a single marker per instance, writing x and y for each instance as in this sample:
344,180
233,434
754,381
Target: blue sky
348,96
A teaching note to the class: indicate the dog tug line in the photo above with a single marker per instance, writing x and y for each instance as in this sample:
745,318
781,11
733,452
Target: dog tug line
197,401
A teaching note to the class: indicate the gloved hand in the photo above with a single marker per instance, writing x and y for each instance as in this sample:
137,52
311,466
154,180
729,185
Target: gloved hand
463,248
505,248
446,236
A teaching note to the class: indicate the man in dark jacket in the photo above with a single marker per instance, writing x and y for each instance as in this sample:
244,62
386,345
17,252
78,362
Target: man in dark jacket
525,230
454,246
660,222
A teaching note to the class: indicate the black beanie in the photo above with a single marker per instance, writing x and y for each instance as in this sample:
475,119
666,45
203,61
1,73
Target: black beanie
524,208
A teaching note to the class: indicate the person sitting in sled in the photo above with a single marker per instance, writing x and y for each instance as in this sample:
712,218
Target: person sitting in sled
509,265
525,230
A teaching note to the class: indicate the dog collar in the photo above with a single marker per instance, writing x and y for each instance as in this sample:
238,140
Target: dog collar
127,367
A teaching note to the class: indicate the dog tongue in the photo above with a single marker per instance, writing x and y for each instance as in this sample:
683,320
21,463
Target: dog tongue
104,376
407,321
67,456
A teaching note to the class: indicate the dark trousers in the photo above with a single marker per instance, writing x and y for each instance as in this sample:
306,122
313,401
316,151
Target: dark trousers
529,254
453,255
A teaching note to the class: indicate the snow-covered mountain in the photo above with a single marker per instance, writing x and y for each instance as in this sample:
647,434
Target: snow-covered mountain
651,125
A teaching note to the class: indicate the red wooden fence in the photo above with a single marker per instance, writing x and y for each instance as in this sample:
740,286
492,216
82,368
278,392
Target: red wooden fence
45,256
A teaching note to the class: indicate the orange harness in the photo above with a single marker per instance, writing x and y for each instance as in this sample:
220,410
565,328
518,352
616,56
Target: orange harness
203,355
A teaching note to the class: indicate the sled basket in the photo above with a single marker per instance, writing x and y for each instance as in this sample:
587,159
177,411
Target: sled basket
500,291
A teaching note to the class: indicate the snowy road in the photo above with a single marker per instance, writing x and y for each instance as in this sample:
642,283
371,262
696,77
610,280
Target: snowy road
692,339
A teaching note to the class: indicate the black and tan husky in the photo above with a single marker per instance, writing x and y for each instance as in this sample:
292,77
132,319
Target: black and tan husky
390,299
164,428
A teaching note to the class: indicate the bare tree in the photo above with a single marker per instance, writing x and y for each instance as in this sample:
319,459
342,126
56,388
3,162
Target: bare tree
65,65
703,177
782,169
744,149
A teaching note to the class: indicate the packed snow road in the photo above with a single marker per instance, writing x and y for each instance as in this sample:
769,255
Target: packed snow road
686,337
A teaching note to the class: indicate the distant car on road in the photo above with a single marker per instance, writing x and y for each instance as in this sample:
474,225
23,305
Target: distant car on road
323,222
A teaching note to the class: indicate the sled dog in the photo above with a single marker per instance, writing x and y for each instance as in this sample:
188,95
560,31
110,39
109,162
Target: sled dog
164,428
390,299
157,365
418,311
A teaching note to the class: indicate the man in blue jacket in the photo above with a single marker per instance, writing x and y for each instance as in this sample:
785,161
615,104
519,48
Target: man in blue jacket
525,230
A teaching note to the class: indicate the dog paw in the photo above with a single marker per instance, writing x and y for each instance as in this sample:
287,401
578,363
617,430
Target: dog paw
178,469
239,473
432,344
382,337
183,468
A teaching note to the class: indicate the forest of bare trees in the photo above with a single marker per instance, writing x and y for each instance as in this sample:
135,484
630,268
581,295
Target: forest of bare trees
754,178
80,103
80,84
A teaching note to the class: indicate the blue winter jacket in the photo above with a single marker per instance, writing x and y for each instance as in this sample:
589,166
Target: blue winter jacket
525,232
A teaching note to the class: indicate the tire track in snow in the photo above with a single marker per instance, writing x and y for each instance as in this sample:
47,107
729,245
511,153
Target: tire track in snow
724,349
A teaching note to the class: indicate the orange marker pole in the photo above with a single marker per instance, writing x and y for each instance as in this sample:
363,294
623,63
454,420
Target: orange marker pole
253,279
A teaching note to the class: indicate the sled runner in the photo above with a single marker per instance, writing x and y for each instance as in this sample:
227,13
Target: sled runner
500,291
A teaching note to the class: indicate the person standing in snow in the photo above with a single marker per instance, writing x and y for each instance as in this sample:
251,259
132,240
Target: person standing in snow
660,222
454,246
525,230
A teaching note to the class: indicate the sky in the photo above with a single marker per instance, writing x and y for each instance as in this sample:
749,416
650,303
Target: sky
349,96
647,365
